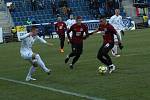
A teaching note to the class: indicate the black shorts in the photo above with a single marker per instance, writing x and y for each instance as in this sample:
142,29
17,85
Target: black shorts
105,48
62,37
77,48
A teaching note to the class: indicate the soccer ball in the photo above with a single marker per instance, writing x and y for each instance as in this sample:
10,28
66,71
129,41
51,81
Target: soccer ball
102,69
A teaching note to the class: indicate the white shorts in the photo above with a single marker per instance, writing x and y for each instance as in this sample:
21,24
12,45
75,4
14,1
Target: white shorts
115,37
27,55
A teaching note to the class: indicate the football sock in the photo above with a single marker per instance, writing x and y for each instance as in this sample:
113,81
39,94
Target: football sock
75,59
115,49
31,70
41,63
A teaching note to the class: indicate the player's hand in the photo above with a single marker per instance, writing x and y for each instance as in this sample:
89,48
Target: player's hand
49,44
122,32
120,46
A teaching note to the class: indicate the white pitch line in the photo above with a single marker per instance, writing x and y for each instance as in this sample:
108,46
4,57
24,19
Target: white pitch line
52,89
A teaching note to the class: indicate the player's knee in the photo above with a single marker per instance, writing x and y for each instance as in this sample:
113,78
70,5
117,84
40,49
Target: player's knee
78,54
37,56
33,56
35,64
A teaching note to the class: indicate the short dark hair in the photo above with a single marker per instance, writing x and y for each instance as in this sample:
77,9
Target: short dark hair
103,17
33,27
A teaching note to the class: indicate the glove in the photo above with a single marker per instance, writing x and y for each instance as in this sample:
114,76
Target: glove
120,46
122,32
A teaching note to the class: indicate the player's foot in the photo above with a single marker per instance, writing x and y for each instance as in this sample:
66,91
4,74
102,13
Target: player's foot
49,72
111,68
29,78
67,59
116,55
62,50
71,66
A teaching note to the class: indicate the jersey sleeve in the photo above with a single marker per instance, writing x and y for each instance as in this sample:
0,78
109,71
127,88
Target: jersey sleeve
41,40
24,36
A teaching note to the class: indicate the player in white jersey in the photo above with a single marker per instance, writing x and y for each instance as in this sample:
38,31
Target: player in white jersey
116,22
70,21
26,52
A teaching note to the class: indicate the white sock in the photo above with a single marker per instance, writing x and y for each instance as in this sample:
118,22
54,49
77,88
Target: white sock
115,49
31,70
41,63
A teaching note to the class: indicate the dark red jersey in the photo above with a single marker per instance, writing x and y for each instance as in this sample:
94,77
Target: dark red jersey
108,32
78,33
60,28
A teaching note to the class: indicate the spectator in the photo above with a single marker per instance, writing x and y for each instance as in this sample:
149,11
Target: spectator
11,7
41,4
34,5
94,6
145,20
49,29
102,11
63,3
54,8
41,31
69,11
29,22
14,32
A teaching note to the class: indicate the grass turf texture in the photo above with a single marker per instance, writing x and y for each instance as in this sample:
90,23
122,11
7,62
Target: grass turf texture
129,82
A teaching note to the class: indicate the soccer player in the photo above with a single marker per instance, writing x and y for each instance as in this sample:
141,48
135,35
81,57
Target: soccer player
60,28
107,31
70,21
78,29
27,53
116,22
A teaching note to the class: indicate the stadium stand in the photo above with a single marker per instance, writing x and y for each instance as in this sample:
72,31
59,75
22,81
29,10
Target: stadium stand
23,10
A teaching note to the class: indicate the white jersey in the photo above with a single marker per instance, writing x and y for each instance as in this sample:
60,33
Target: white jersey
27,41
116,22
70,22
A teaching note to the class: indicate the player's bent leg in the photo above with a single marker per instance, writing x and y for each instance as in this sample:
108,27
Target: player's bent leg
69,56
62,40
75,59
115,50
41,64
101,57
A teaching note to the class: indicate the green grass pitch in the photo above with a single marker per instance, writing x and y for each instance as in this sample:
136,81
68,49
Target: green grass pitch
131,81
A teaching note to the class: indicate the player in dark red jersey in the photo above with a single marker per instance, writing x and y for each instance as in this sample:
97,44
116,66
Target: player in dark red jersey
78,29
107,31
60,28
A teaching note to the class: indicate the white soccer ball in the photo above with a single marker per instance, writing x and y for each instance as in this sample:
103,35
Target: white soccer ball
102,69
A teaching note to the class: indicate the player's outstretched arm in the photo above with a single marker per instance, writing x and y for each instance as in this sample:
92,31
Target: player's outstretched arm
24,36
94,32
44,41
49,44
